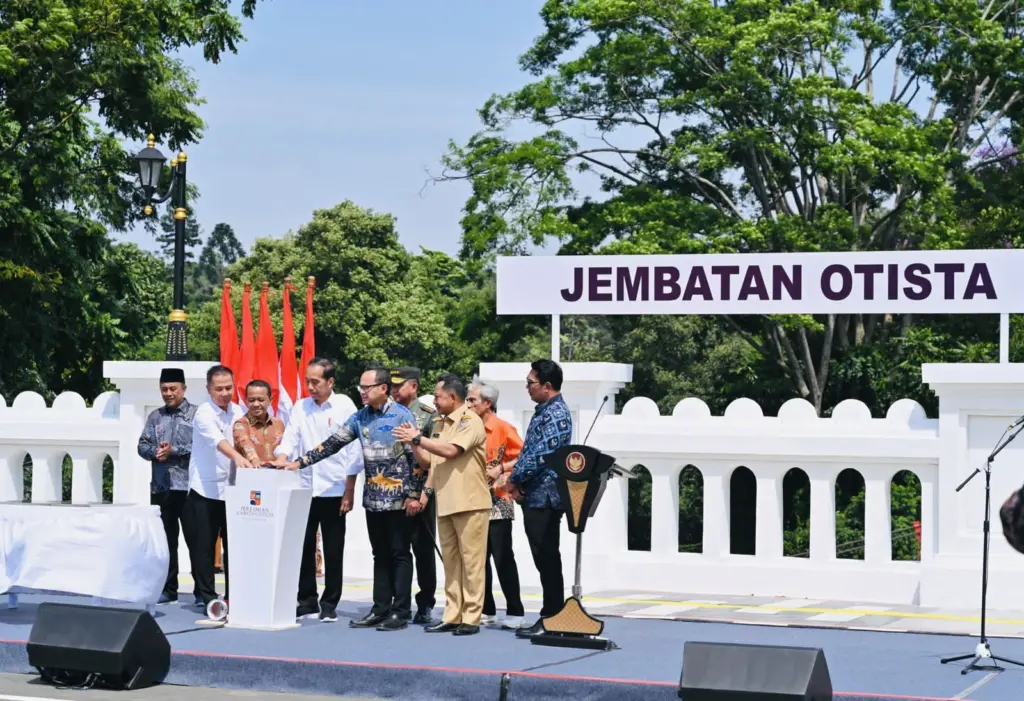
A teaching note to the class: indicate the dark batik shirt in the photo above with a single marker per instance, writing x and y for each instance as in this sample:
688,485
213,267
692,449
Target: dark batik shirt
172,426
388,464
550,429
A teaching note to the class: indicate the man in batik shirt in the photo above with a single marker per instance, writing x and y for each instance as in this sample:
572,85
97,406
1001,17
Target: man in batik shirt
533,483
257,434
391,495
166,441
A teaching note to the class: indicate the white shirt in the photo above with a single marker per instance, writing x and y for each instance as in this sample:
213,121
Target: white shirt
208,468
308,426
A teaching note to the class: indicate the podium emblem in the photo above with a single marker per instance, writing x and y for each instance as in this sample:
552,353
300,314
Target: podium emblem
254,498
575,462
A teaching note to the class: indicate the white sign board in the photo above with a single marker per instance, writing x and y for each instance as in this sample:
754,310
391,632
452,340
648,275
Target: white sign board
920,282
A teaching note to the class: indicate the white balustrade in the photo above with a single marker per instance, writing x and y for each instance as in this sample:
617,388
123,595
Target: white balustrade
976,403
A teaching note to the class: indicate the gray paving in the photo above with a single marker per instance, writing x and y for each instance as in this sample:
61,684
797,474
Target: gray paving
15,687
767,610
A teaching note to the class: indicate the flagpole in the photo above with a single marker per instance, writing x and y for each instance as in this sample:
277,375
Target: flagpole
177,322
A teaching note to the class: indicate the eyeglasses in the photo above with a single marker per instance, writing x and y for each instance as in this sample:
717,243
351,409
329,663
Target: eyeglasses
366,388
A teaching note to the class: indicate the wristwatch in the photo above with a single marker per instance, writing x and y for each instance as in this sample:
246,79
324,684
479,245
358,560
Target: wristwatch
416,440
429,491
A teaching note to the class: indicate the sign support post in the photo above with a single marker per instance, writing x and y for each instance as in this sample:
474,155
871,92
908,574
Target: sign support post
556,337
1004,338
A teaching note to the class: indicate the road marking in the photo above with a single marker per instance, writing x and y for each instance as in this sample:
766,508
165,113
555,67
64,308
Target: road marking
847,615
8,697
659,611
655,600
977,685
778,607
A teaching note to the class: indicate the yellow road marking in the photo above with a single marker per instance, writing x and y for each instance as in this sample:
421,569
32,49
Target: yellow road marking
766,607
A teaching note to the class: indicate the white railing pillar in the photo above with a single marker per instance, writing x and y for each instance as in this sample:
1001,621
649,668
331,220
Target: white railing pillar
768,533
664,506
823,515
716,508
877,519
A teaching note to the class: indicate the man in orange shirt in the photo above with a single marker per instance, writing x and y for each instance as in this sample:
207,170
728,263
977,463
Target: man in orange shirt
503,446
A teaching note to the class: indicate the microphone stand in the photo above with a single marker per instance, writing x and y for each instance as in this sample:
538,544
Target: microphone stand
983,650
577,586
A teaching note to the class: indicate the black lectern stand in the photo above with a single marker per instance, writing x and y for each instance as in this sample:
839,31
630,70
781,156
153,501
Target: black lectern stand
583,473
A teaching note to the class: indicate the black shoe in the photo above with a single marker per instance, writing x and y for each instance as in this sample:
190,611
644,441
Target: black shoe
466,629
303,610
422,617
394,622
536,629
328,615
370,620
442,627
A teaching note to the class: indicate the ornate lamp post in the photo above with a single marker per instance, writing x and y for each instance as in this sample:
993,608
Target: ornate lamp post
151,165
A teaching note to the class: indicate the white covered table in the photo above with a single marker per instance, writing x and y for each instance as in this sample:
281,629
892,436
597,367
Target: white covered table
105,551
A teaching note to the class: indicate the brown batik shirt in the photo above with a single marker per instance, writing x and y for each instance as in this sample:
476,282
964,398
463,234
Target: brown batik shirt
257,440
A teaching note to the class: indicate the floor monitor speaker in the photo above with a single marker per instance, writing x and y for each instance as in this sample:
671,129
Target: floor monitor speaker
77,645
727,672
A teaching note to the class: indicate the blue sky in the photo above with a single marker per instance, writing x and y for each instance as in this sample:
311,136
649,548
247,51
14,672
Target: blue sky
331,100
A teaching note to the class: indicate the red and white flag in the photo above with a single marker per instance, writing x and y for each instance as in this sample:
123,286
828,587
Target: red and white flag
288,370
308,343
247,352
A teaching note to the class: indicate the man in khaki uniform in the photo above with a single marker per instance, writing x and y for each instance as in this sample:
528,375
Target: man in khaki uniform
456,453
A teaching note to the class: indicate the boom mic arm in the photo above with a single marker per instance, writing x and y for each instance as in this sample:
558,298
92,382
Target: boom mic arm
596,417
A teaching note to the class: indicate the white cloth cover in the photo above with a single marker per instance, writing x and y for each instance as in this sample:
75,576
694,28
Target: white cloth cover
108,551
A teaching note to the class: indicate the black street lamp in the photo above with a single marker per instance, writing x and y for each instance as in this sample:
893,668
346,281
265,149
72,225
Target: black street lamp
151,165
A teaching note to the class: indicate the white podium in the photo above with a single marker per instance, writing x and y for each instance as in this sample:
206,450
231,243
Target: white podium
266,517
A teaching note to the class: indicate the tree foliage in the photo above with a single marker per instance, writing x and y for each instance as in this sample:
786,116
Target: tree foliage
79,81
750,126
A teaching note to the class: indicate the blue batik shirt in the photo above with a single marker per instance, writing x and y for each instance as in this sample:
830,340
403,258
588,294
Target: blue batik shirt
388,464
550,429
172,426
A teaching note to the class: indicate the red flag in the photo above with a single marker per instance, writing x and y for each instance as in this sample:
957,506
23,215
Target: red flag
308,344
247,352
290,379
228,329
266,348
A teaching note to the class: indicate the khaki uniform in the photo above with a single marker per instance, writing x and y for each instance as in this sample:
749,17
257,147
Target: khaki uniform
463,514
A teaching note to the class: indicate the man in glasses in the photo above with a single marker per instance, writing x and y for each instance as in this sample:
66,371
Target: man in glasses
533,483
391,495
405,389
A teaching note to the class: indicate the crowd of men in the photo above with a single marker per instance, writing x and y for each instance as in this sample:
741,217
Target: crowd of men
445,477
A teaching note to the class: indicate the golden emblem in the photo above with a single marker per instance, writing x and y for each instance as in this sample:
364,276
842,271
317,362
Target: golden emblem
575,462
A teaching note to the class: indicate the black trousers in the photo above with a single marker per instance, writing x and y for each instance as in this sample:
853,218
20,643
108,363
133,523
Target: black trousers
172,512
205,518
543,531
325,514
499,547
390,535
424,535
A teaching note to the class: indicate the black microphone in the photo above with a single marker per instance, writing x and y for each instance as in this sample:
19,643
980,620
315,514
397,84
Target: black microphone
597,416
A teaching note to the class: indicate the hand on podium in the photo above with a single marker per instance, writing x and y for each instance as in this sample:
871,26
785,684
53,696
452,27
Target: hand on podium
282,463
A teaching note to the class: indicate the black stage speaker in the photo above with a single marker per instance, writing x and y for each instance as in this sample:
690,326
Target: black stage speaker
114,648
724,672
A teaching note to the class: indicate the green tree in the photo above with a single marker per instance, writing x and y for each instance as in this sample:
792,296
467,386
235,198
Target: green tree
748,126
222,249
78,80
370,304
193,235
